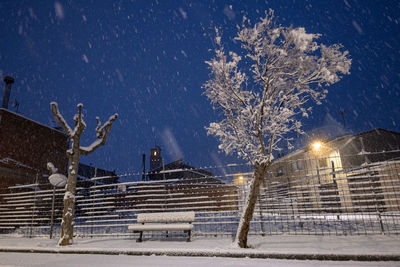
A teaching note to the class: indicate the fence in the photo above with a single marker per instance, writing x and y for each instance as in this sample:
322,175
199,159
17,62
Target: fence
297,197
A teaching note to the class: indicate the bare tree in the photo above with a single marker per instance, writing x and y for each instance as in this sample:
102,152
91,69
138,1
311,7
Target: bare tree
73,154
284,68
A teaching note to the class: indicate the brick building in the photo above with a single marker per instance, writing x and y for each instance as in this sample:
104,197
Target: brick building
25,148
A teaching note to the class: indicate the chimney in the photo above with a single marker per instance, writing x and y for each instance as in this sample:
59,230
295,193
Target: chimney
6,98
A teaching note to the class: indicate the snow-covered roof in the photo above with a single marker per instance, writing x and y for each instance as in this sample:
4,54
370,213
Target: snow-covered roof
16,163
28,119
178,166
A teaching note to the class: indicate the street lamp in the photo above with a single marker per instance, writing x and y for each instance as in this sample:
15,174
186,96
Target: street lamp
239,179
316,146
57,180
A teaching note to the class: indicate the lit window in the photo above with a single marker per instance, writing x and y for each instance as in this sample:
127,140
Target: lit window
323,162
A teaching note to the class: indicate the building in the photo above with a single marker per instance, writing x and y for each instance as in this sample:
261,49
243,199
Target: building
342,152
26,146
180,172
177,186
177,171
87,172
341,173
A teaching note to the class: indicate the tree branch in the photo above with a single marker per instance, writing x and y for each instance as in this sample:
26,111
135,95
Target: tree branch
79,123
60,119
233,125
102,134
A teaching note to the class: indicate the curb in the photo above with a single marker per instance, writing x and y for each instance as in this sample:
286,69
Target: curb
212,253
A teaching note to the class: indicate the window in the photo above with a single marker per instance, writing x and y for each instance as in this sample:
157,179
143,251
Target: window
280,171
323,162
297,165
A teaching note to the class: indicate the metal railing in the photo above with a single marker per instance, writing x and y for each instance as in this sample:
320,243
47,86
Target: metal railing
295,198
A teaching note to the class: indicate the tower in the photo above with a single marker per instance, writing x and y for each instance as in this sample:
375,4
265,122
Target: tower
155,158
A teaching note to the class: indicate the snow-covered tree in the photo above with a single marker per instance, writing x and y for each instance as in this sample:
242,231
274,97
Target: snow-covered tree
263,93
73,154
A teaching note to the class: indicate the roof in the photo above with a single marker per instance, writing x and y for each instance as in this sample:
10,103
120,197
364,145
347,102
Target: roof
378,130
28,119
178,165
337,138
90,171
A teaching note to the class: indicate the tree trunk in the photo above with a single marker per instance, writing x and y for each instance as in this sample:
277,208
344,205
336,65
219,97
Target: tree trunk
102,131
260,171
67,226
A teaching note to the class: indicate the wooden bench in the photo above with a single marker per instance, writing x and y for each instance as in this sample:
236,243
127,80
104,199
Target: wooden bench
163,221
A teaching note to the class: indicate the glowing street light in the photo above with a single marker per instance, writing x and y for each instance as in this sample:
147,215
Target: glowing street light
316,146
240,179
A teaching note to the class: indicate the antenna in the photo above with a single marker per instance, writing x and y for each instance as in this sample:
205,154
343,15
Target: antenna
144,167
15,104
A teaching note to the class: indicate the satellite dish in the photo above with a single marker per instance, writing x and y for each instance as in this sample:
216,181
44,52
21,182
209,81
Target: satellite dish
58,180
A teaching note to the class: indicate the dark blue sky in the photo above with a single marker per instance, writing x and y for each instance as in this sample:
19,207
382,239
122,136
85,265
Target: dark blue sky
145,60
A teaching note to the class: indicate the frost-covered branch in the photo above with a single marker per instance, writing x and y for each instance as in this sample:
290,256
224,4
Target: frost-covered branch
101,133
288,68
80,124
59,118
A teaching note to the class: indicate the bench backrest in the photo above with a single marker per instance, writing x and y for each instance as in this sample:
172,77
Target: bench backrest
166,217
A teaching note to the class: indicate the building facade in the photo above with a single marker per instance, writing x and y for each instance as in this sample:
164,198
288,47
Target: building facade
177,171
349,173
26,147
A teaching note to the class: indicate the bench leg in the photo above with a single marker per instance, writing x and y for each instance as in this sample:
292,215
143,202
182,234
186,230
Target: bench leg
140,237
188,238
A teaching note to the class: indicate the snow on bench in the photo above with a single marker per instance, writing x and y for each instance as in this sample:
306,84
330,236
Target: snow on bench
163,221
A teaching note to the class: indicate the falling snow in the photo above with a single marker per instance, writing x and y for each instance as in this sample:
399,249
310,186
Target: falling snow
84,58
59,10
145,61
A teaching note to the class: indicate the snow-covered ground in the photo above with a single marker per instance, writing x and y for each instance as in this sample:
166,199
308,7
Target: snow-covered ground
21,259
118,248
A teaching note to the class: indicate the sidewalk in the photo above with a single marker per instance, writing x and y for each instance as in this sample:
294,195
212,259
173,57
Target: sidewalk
361,248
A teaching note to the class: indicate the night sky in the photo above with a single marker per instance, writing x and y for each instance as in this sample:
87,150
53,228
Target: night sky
145,61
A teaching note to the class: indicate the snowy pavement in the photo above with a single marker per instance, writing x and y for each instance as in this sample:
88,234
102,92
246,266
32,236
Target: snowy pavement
84,260
13,250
